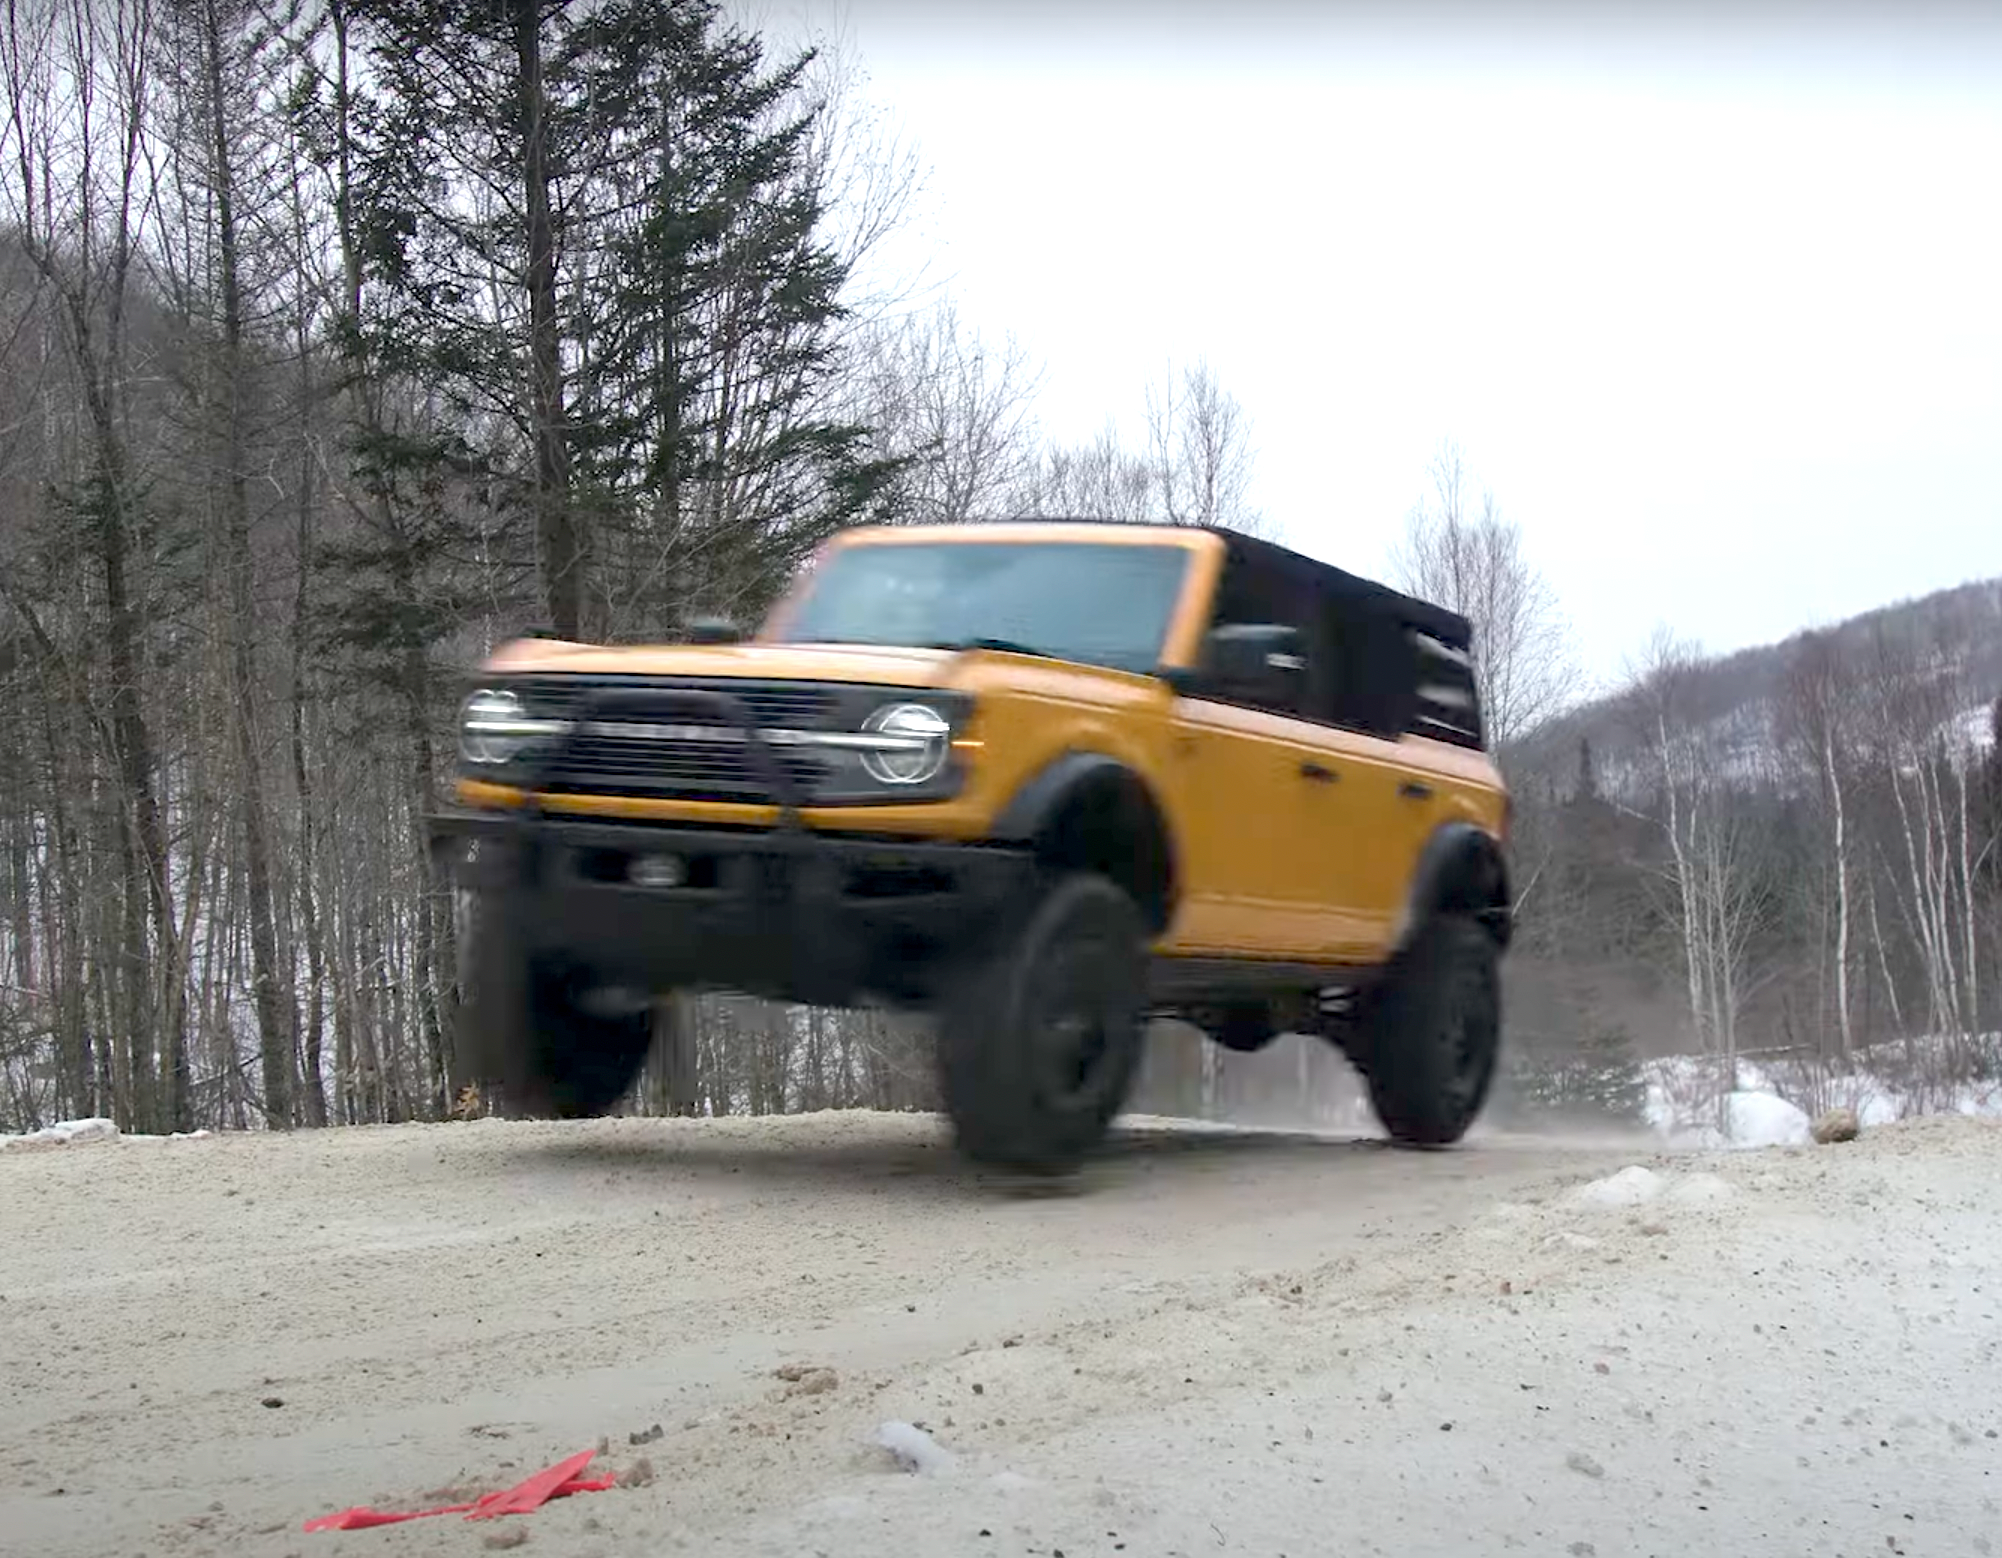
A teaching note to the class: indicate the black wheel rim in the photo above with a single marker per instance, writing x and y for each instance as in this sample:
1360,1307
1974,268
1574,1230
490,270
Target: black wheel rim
1469,1024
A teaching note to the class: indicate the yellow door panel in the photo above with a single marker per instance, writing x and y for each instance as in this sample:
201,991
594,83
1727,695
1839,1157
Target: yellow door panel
1376,821
1262,875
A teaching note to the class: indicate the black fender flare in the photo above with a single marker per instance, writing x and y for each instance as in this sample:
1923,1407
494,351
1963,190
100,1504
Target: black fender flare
1086,783
1461,869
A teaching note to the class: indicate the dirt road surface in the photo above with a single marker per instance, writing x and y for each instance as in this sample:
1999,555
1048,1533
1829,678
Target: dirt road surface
1213,1344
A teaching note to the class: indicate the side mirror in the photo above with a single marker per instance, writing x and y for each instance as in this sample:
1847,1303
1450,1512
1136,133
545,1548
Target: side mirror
713,630
1259,662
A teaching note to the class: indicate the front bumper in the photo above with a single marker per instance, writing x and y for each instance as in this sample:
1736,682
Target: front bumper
787,913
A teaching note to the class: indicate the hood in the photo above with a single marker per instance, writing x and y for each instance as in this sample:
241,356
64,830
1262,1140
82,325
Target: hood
851,663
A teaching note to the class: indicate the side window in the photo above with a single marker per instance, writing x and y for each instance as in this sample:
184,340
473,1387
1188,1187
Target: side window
1342,656
1251,596
1371,669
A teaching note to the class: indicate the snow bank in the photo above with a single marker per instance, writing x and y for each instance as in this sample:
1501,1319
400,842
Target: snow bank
73,1133
65,1133
1770,1103
1760,1119
1753,1118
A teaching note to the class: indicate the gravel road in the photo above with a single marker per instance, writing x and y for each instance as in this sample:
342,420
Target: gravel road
1214,1343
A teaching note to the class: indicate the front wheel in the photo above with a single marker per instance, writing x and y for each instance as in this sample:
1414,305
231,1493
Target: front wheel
531,1026
1039,1041
1429,1046
575,1063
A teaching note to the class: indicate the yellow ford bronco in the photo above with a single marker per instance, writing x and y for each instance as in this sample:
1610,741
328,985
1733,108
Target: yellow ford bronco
1044,780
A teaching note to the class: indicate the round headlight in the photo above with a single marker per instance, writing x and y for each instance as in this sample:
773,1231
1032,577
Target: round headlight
493,727
922,741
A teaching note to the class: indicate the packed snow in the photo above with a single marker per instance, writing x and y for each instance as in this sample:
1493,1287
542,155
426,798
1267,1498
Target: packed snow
1633,1186
914,1449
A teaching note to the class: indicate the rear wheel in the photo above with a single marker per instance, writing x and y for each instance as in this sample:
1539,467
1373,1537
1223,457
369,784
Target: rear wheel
1429,1046
1039,1041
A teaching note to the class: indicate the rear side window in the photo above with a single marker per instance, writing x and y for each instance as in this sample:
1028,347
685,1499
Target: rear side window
1371,670
1447,703
1375,660
1360,666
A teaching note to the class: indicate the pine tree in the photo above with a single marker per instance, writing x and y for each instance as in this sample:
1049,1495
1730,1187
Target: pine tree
457,183
1608,1077
601,232
713,314
1595,1073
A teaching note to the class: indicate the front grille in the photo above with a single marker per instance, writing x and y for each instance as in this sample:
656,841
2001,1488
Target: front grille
775,705
610,765
593,764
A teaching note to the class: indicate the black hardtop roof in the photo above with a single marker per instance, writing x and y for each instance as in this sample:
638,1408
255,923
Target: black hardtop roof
1450,628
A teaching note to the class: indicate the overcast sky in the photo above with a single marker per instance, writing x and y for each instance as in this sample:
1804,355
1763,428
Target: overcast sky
1714,307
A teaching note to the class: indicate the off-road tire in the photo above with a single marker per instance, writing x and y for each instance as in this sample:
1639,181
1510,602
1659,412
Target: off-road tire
1432,1037
574,1064
522,1026
1039,1039
492,991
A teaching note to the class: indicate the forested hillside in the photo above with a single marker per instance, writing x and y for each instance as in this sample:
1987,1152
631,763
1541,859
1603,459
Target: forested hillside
1792,847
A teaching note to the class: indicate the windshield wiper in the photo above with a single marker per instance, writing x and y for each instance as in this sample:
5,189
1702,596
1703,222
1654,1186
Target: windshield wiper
1002,646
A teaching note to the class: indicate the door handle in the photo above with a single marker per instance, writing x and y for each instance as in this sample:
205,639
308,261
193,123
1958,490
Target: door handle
1318,773
1411,790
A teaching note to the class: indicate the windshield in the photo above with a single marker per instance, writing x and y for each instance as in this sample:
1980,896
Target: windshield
1094,603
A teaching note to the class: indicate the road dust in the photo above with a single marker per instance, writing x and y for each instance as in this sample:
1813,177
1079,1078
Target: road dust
1221,1340
1302,1085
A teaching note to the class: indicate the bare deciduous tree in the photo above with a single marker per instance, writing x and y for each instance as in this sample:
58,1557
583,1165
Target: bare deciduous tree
1095,480
1473,562
79,97
1721,894
1194,466
1199,445
952,409
1913,701
1816,719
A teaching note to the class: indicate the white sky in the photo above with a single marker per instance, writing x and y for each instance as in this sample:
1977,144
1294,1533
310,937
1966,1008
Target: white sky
1714,307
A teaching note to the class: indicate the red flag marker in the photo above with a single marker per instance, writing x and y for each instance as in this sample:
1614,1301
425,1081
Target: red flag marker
525,1497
